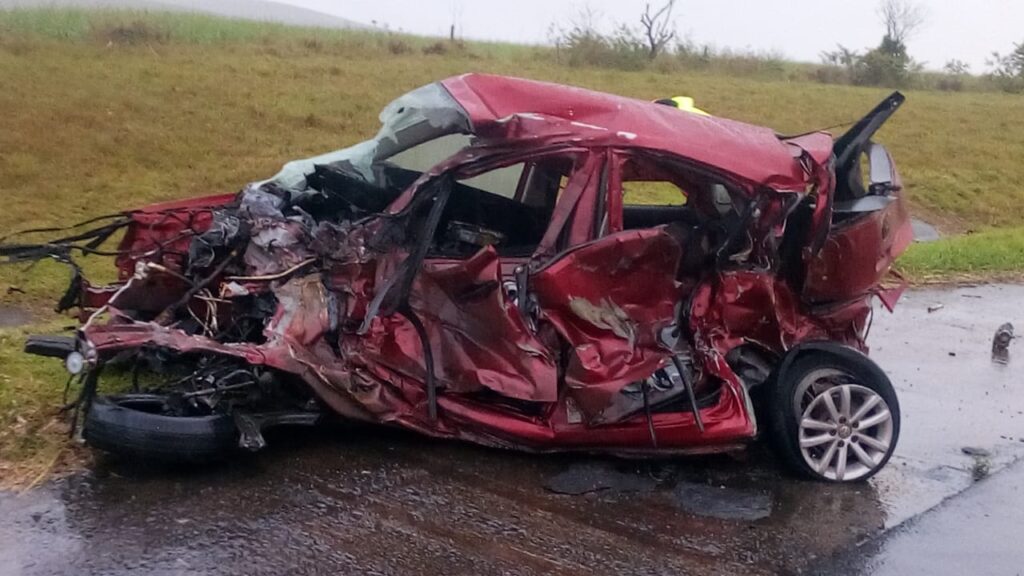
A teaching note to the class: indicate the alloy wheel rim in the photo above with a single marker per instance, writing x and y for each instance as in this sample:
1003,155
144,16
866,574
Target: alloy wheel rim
845,431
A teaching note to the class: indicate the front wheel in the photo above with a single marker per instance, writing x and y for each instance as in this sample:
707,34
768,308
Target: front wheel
144,426
834,418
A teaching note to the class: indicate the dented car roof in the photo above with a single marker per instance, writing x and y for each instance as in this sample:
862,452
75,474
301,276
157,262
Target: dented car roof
501,110
754,153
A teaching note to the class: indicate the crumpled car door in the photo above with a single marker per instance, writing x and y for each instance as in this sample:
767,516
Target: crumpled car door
479,336
476,335
616,302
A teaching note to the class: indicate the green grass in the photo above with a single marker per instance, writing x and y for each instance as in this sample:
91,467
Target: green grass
101,111
995,253
32,437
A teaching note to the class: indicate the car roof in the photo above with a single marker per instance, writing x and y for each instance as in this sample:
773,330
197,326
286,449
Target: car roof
506,108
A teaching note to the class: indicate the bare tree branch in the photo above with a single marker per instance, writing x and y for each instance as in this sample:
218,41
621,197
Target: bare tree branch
658,28
902,18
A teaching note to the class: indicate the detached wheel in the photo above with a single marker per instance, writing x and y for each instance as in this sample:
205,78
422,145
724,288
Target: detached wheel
143,426
834,418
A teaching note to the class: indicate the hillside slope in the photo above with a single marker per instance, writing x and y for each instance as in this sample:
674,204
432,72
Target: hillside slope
158,106
259,10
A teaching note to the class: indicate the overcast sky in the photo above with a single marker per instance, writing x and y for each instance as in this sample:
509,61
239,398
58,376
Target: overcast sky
800,29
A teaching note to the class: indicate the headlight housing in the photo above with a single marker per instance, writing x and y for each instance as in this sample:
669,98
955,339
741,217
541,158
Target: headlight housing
75,363
82,358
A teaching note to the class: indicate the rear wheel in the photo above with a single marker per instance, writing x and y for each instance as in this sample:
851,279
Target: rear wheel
834,418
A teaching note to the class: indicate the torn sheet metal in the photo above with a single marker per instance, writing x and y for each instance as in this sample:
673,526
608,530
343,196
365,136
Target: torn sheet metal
613,301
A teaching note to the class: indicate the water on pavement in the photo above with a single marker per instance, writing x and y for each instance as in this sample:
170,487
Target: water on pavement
367,501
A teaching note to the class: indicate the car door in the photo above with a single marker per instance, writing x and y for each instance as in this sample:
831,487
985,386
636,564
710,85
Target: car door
614,299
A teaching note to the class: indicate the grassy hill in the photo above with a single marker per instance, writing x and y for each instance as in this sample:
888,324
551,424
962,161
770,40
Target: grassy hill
258,10
107,110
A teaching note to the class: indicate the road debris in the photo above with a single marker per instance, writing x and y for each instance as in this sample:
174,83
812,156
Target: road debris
1001,344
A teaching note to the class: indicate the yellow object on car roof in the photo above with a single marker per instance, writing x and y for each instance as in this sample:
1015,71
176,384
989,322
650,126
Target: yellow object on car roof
684,103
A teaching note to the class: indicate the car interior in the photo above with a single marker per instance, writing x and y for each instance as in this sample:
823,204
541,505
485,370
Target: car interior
508,208
699,210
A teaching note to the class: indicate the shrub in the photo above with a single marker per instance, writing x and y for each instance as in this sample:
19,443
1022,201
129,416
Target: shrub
950,83
705,57
398,46
313,45
136,32
619,51
439,48
831,74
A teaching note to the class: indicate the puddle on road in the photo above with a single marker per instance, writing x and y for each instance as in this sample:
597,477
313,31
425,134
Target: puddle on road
593,477
697,498
723,502
923,231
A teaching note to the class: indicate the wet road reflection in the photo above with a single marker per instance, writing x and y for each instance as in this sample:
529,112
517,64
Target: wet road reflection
391,503
977,533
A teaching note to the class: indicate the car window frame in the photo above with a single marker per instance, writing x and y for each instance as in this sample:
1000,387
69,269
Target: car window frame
619,156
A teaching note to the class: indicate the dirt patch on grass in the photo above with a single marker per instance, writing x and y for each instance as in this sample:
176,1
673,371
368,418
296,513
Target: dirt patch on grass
13,316
129,34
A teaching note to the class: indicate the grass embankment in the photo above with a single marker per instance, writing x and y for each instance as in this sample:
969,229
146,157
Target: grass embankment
107,110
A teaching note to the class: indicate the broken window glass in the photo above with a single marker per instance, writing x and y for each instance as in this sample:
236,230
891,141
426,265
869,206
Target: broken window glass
425,115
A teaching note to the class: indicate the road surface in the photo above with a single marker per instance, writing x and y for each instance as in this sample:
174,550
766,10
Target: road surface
363,501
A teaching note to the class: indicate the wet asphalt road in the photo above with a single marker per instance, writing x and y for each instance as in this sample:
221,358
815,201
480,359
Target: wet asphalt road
977,533
363,501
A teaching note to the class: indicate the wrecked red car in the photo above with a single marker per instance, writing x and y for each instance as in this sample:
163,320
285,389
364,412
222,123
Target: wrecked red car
517,264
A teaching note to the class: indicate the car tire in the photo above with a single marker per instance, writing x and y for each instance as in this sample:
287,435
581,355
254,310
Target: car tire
133,425
834,418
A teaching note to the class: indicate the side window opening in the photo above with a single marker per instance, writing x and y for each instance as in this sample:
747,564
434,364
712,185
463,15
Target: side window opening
509,208
697,208
654,194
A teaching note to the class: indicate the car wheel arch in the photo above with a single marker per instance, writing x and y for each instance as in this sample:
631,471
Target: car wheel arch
827,348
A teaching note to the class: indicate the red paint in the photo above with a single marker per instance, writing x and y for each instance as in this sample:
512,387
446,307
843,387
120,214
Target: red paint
605,306
610,300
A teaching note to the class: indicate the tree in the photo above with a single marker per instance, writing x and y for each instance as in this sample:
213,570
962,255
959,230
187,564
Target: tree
902,18
1008,70
889,64
1011,65
957,67
658,28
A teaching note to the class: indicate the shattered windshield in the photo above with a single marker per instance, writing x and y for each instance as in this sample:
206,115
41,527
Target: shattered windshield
418,131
